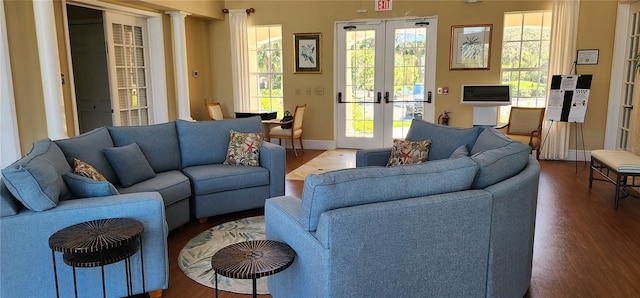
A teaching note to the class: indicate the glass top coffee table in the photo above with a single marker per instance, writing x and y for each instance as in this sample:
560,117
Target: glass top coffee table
252,260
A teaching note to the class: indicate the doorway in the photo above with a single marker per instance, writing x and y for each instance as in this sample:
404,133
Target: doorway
110,59
89,59
385,74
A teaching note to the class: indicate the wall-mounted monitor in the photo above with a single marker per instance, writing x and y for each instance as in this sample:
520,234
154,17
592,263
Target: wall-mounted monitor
486,95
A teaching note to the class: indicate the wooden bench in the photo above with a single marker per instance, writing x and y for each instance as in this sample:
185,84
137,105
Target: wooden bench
623,165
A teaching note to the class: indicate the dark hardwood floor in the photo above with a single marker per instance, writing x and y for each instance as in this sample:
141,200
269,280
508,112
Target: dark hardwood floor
583,247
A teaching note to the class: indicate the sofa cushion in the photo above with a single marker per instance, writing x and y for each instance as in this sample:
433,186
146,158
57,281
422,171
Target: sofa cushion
86,170
8,204
358,186
130,164
158,142
218,177
88,147
244,148
83,187
206,142
500,158
407,152
36,179
172,185
444,139
36,185
461,151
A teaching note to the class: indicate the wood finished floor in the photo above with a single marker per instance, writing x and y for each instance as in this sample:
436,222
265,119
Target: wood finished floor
583,248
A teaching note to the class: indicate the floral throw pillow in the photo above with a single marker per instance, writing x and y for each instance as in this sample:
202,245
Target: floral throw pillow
408,152
244,149
86,170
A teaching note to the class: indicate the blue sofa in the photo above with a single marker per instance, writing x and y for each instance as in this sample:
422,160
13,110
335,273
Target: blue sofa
459,225
185,179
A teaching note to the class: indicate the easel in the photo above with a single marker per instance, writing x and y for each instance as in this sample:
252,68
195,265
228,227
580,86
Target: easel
568,99
584,152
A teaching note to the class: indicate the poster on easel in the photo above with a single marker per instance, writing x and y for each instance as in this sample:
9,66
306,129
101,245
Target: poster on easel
568,98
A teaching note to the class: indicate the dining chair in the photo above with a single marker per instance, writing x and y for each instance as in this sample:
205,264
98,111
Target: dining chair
525,126
295,132
215,111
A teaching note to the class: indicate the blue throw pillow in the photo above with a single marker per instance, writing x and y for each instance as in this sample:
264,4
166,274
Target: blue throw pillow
461,151
130,164
83,187
36,179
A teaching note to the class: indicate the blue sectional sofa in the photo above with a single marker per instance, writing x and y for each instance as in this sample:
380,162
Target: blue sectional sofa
162,175
459,225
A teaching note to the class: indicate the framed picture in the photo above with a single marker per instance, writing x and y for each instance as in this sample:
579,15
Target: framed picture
470,47
587,57
307,49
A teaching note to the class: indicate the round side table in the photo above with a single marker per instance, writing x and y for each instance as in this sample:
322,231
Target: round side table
98,243
252,260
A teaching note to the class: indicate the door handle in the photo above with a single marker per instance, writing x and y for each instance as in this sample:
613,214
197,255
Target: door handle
429,97
630,107
386,97
339,97
378,97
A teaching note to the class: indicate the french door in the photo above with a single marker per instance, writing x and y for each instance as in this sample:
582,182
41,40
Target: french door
385,77
127,48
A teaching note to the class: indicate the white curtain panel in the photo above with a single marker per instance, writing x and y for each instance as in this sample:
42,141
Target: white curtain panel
9,140
240,61
564,28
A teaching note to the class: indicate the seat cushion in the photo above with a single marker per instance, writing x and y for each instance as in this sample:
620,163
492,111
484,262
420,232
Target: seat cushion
163,153
217,177
206,142
172,185
36,179
89,147
444,139
344,188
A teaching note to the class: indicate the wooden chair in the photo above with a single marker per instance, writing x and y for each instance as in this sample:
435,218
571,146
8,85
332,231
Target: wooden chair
525,125
215,111
295,132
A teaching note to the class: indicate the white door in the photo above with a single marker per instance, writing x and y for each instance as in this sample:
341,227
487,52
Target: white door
90,75
127,46
385,76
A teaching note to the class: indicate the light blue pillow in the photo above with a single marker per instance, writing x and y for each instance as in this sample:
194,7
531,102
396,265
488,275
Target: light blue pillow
83,187
461,151
36,184
129,163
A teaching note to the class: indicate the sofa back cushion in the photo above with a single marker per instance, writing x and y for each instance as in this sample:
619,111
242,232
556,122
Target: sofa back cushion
206,142
36,179
351,187
444,139
498,157
89,147
158,142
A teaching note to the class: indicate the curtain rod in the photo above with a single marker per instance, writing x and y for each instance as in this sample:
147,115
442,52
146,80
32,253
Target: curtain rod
248,10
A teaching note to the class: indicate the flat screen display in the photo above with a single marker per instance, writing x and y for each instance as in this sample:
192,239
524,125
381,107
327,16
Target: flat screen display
486,95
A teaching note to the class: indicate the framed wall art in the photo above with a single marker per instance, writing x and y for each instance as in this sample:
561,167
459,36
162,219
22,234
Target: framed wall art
307,50
470,47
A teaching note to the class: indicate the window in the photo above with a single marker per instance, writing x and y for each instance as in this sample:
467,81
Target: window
265,67
525,58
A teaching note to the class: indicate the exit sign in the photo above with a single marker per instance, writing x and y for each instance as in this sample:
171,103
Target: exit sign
383,5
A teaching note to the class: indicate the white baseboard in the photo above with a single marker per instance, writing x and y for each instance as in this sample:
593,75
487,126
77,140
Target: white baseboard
580,155
309,144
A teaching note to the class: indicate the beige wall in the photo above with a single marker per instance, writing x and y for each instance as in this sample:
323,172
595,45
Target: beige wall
209,53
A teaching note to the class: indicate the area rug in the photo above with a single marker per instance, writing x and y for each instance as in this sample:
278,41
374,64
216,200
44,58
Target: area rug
327,161
195,257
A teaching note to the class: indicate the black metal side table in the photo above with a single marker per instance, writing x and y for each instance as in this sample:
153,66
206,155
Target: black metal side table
99,243
252,260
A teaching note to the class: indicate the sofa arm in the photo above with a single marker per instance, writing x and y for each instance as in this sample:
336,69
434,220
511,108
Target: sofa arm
272,157
27,259
372,157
